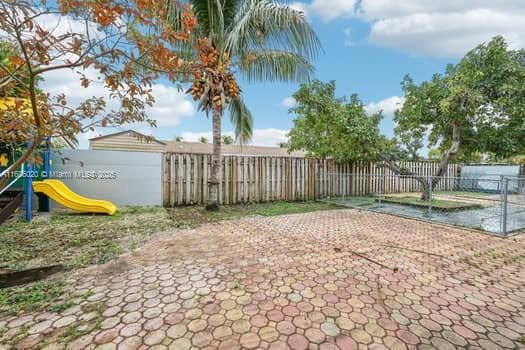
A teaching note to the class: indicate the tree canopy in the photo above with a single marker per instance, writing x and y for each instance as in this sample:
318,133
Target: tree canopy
227,139
121,45
337,127
477,105
259,40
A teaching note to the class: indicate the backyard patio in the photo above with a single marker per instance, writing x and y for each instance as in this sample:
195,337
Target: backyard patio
323,280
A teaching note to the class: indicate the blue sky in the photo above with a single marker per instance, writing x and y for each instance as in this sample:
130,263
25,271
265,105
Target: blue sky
369,46
358,67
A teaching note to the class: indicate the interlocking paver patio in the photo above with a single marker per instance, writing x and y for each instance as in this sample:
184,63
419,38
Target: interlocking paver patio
342,279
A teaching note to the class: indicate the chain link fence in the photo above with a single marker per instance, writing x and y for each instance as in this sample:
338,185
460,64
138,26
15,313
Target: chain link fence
491,203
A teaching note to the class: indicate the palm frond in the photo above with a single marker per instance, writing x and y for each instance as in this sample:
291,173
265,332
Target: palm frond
173,15
202,9
229,9
210,16
241,119
270,25
275,66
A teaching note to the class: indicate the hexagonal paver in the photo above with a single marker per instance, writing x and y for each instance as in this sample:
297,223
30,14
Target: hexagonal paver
323,280
249,340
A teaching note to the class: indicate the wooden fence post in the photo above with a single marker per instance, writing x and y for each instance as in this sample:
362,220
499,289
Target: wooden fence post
251,179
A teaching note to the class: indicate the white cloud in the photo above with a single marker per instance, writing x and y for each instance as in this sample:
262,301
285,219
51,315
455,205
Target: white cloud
448,34
270,137
348,37
445,28
169,109
299,6
380,9
388,105
83,138
288,102
190,136
170,106
66,81
329,10
65,25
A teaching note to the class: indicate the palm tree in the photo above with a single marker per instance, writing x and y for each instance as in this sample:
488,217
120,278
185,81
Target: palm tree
258,40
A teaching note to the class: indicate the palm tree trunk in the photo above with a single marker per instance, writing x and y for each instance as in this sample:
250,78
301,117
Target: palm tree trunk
213,188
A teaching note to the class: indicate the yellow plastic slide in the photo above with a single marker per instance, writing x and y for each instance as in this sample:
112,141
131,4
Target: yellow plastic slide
60,193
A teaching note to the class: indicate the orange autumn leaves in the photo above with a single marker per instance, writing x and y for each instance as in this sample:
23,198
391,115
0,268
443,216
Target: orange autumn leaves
123,46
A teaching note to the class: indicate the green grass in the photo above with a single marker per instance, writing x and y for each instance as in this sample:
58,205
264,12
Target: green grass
77,240
31,297
438,204
468,194
358,201
80,240
192,216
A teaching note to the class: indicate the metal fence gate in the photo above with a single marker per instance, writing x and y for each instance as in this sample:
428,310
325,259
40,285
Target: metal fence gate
494,204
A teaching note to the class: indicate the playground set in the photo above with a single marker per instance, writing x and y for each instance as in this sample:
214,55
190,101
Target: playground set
22,185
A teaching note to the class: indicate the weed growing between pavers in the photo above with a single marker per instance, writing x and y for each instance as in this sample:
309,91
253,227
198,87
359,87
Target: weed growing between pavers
194,216
80,240
31,297
64,335
50,295
196,288
81,327
73,240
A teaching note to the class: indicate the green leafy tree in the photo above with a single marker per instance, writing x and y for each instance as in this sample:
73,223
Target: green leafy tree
476,106
258,40
178,138
227,139
203,139
60,143
336,127
396,150
434,154
10,87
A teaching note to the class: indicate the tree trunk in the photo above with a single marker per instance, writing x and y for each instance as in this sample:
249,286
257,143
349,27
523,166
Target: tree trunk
426,185
426,188
213,188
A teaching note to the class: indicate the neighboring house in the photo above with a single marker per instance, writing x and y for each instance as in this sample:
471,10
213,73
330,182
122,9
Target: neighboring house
134,141
230,150
127,141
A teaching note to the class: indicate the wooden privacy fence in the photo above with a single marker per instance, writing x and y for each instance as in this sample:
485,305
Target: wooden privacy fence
365,178
248,179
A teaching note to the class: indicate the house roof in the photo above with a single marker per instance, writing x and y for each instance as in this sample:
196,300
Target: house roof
207,148
136,133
